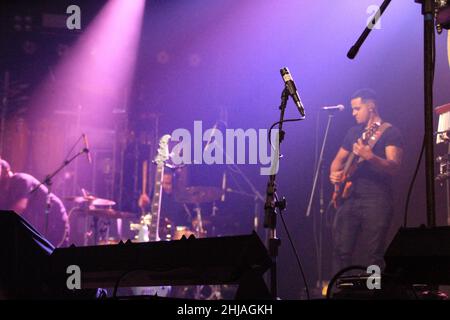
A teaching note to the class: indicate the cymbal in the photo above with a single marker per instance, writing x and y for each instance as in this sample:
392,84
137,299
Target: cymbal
79,199
92,200
107,213
198,194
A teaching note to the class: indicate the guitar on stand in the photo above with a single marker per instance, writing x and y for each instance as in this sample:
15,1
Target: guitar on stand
148,228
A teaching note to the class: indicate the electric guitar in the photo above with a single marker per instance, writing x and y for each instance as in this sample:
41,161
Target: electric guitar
155,209
343,189
149,226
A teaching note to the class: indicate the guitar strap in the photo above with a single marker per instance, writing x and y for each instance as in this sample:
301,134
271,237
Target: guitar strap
378,134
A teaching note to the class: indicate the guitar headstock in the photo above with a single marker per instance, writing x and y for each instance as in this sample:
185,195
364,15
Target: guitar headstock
369,133
163,150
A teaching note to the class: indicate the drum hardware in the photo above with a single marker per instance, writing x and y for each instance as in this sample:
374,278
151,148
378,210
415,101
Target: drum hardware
181,231
96,214
91,200
142,229
199,230
105,213
198,194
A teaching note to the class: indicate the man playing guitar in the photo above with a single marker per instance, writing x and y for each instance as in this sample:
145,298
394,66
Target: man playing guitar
362,170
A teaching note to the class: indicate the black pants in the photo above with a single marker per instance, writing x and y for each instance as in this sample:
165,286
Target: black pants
361,219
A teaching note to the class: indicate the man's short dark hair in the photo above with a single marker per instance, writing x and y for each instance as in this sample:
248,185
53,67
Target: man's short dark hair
365,94
5,165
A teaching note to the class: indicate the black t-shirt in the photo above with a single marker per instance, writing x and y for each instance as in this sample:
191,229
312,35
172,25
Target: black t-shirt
20,186
367,180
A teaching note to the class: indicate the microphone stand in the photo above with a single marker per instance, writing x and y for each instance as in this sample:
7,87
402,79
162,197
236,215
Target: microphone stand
48,182
319,169
273,203
319,164
428,11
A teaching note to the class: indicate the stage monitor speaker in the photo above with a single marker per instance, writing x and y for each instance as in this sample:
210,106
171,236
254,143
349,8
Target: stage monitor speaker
23,258
240,260
420,255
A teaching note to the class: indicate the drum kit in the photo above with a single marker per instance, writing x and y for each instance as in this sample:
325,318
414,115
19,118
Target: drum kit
90,206
197,195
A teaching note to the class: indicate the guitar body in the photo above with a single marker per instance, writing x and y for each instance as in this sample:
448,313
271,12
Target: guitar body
344,189
341,192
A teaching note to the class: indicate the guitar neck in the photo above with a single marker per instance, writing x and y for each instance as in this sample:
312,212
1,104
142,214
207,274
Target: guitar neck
155,208
348,164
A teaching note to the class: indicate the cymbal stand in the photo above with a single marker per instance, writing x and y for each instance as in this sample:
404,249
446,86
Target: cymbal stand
95,226
199,224
213,216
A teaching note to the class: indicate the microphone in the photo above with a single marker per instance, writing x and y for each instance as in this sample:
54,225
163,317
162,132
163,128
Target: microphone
290,86
339,107
86,148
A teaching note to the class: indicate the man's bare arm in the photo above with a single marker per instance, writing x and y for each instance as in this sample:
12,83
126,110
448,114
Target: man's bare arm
337,165
389,165
20,206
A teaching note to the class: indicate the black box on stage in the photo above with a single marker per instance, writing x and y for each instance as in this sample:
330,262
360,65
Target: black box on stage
420,255
24,258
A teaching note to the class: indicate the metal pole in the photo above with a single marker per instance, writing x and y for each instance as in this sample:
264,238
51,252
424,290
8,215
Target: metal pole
428,13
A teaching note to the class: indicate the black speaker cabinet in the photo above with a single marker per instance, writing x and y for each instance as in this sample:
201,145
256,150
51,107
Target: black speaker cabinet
23,258
420,255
